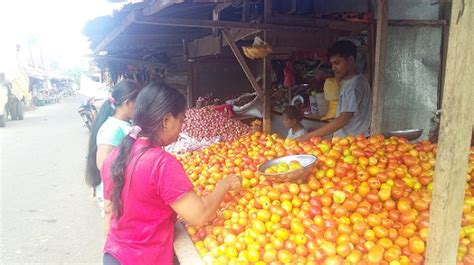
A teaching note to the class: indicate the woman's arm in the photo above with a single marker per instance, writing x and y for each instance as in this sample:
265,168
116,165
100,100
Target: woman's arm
196,210
103,151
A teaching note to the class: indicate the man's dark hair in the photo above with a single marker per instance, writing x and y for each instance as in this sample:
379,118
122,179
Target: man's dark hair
343,48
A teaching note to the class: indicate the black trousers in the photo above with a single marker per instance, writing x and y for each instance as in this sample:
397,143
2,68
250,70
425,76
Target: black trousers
110,260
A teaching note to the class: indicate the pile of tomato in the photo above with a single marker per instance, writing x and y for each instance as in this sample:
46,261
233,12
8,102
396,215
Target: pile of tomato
366,202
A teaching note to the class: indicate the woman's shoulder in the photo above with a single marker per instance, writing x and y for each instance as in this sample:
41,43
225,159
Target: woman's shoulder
112,132
156,153
114,123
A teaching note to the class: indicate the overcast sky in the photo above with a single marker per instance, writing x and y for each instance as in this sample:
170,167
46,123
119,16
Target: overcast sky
57,24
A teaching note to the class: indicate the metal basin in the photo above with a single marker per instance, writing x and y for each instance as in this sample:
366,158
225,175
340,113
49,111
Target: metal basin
410,135
307,162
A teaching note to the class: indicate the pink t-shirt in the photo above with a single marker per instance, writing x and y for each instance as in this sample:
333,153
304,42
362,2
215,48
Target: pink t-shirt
153,180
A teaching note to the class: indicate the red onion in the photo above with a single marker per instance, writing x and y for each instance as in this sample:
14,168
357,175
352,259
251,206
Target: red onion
208,123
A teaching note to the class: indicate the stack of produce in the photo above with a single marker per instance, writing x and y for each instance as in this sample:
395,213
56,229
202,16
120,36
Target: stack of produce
366,202
186,144
208,123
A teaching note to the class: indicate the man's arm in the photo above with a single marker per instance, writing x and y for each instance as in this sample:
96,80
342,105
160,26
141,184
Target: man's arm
329,128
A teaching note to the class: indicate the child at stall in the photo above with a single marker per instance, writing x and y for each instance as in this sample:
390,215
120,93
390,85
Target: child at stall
148,187
292,120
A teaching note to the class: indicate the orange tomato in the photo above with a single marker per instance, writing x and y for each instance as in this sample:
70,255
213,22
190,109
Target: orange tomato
385,243
285,256
373,220
354,257
376,254
417,245
392,254
401,242
380,231
333,260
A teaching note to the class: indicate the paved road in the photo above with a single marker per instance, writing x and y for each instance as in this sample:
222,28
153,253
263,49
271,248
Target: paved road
47,213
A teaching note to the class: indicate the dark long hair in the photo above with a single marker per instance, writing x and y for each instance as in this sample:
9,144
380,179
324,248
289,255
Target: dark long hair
152,104
124,90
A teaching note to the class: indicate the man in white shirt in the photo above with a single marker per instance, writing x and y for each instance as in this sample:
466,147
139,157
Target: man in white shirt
355,101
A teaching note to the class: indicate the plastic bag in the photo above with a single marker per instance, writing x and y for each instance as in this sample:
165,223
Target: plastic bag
259,49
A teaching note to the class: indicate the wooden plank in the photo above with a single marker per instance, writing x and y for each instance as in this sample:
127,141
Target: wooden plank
267,94
416,23
116,32
204,23
455,133
156,36
442,73
243,63
210,45
293,20
379,65
190,95
126,60
157,6
300,41
267,74
370,43
216,15
184,248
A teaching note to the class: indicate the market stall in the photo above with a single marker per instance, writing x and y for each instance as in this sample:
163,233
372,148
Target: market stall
372,200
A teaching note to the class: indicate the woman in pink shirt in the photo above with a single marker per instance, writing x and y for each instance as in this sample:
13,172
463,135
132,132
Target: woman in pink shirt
147,186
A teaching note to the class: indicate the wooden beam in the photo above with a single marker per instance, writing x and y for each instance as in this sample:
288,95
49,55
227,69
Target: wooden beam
116,32
210,45
455,133
267,74
370,44
293,20
299,41
204,23
444,56
243,63
416,23
157,6
126,60
167,35
267,101
191,89
379,65
216,15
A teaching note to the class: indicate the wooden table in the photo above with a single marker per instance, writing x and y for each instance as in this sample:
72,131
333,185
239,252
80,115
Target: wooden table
184,247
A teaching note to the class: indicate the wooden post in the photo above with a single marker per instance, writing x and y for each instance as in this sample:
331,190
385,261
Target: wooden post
191,86
267,94
215,17
454,135
242,62
370,44
267,75
379,65
216,12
